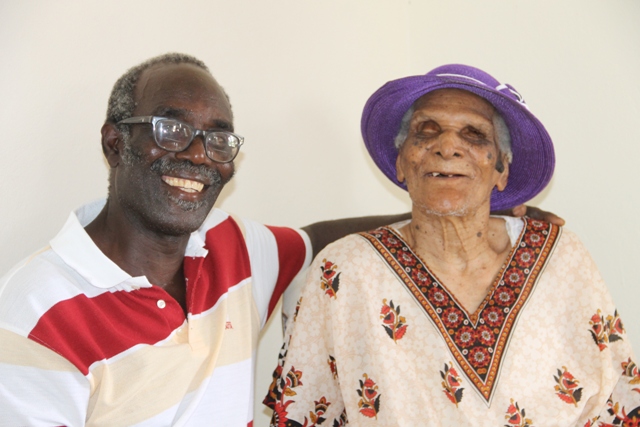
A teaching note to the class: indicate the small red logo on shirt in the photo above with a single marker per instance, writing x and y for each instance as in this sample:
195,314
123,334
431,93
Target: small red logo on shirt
228,325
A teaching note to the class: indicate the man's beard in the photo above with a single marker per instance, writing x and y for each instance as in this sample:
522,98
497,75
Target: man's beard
164,166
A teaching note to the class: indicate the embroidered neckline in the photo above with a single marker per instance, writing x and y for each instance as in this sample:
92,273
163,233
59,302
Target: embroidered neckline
478,341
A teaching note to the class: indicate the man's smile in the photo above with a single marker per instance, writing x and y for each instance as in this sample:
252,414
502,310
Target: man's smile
185,185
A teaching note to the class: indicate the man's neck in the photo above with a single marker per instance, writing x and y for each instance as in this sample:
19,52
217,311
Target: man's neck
140,251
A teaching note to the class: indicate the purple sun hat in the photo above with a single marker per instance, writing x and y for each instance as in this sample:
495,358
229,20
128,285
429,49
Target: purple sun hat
533,155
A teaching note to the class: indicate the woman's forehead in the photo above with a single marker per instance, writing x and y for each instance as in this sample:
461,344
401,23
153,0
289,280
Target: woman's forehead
454,101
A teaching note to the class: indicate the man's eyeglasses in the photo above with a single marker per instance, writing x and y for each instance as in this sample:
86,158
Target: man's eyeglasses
174,135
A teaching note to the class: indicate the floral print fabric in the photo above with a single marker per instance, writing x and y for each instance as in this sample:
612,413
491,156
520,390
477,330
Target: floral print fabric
368,351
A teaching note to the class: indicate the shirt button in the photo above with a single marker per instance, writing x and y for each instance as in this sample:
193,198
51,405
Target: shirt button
161,303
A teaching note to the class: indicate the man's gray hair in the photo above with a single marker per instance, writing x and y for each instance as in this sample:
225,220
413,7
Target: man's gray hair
500,128
122,101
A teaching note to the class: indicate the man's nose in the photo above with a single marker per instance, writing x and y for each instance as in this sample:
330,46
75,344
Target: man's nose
448,145
196,152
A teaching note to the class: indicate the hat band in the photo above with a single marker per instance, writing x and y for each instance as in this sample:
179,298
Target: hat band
499,88
461,76
511,89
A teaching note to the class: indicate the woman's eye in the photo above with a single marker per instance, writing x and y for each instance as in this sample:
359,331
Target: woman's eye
428,128
474,133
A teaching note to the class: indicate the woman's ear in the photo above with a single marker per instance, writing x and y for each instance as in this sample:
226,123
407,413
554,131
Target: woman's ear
504,175
399,172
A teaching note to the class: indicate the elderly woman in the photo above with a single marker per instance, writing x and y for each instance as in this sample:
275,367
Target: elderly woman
457,317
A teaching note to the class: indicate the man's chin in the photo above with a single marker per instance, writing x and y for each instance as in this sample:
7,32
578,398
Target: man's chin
187,205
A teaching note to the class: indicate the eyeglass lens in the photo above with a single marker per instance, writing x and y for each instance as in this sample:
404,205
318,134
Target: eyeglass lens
173,135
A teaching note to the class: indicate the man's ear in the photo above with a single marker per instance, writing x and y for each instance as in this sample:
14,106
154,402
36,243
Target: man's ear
504,175
112,144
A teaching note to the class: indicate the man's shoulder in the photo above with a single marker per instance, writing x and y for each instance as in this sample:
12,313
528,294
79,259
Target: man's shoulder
37,282
231,226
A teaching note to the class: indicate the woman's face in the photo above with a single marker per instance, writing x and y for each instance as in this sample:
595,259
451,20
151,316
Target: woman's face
448,160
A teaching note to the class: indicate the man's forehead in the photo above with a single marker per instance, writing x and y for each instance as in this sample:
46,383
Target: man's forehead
166,86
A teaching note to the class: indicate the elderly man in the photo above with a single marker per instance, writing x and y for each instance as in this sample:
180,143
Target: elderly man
456,317
146,309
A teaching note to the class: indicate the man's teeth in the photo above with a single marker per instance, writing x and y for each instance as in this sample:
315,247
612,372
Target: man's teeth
438,174
185,185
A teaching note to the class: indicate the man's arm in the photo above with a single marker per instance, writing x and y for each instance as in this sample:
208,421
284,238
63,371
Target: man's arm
324,232
38,386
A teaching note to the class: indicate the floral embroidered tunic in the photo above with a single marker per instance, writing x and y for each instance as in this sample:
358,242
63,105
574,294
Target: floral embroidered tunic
378,340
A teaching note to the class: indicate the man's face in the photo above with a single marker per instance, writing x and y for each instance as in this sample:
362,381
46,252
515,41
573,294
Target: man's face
449,158
166,192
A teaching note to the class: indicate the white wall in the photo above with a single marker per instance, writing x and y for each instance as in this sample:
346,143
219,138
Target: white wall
298,74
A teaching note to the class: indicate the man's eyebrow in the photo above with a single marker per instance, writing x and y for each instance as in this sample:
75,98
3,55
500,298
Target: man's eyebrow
222,124
183,114
171,112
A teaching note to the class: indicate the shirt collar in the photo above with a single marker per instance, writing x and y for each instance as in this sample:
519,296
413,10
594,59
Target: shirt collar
77,249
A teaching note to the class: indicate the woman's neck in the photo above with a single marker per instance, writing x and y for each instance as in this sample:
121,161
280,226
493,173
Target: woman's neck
464,252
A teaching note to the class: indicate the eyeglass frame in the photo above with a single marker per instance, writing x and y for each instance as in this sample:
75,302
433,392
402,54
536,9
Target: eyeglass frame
195,132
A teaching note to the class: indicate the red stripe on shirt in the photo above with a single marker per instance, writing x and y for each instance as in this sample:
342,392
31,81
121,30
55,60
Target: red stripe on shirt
226,265
85,330
291,256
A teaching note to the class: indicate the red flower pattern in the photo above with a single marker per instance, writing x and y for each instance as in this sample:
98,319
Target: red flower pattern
394,325
279,417
465,337
330,278
390,241
599,330
630,369
505,296
616,329
516,417
537,225
369,402
452,384
493,316
622,418
485,335
607,330
514,277
421,278
281,390
452,317
438,296
567,387
525,257
479,357
408,258
534,239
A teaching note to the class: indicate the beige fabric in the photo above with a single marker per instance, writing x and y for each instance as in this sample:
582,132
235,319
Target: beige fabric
404,381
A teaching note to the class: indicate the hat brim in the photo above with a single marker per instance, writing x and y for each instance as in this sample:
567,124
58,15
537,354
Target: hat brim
533,154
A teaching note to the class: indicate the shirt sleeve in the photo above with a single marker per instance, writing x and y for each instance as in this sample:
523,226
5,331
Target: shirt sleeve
623,406
277,255
38,387
305,387
614,364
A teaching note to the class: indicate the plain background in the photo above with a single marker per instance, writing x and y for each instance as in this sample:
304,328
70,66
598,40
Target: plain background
298,73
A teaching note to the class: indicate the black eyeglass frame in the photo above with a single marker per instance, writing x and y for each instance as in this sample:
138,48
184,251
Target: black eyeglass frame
194,133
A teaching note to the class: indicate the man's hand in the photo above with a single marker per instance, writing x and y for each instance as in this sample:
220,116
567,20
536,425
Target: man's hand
534,213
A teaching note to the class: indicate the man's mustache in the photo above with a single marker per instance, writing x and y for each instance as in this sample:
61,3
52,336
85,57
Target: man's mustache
165,166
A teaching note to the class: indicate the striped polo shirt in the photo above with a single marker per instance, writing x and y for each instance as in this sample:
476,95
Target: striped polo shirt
84,343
